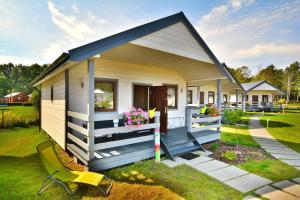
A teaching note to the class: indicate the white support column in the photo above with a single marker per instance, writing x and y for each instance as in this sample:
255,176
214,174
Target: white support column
236,98
90,107
244,101
219,97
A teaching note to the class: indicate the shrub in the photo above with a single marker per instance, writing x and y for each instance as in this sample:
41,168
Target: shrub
215,146
229,155
233,116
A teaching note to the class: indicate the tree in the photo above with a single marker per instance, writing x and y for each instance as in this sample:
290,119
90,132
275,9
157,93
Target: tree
243,74
291,76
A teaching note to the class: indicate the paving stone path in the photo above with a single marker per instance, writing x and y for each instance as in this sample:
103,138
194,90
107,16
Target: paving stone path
283,190
230,175
271,145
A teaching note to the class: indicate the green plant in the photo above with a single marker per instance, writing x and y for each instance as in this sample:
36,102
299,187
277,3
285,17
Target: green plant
229,155
233,116
215,146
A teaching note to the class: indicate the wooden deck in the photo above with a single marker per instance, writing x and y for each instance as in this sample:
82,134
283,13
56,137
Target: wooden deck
177,142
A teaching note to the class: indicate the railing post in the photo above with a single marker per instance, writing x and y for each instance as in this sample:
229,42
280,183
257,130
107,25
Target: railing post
90,109
189,119
157,140
219,97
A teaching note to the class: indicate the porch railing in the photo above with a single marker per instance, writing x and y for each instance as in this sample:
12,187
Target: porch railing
206,122
81,141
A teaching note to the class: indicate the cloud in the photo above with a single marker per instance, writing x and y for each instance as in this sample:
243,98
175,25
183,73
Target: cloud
270,49
239,34
73,26
18,59
75,8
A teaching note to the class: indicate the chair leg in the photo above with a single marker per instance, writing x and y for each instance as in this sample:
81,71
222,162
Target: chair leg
44,186
67,188
106,193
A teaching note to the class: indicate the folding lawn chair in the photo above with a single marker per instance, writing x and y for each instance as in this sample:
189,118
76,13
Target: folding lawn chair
62,175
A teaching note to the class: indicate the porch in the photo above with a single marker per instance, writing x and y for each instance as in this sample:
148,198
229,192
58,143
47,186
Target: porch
111,146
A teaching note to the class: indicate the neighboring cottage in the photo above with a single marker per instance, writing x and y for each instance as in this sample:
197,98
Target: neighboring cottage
259,94
16,97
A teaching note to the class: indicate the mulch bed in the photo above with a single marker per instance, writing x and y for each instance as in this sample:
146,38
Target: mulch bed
243,153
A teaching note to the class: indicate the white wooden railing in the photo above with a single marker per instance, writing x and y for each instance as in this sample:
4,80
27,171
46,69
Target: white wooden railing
79,134
204,119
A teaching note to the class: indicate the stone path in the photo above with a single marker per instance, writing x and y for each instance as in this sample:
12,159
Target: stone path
230,175
271,145
287,190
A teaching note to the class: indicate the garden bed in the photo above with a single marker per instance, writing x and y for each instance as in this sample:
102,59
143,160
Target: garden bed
232,154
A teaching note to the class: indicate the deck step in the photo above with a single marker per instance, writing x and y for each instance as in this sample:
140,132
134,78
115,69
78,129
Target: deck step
184,149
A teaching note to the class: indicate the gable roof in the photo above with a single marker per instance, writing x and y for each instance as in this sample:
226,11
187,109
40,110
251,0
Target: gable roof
12,94
233,77
88,50
253,85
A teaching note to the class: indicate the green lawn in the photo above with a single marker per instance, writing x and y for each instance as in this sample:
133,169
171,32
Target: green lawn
20,116
285,128
22,174
272,169
233,134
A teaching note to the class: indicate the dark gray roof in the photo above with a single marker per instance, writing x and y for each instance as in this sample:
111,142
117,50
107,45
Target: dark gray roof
105,44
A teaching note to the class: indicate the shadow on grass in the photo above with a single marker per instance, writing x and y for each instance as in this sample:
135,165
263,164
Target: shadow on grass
275,124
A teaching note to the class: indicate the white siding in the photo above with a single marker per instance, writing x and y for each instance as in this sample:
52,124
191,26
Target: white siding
128,74
53,113
265,86
78,95
175,39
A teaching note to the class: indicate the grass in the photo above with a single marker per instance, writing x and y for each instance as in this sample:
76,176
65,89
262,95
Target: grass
186,181
22,174
229,135
274,170
285,128
19,116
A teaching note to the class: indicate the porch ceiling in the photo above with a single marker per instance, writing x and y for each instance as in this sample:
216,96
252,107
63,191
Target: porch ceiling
227,85
189,69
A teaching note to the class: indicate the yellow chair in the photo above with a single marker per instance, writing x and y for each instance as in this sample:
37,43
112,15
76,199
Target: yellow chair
61,175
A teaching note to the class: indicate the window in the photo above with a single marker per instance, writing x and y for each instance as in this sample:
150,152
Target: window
189,97
141,96
105,95
52,95
211,97
172,96
265,98
247,98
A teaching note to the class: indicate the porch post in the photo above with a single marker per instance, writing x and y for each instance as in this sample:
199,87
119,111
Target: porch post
90,108
219,97
236,98
244,101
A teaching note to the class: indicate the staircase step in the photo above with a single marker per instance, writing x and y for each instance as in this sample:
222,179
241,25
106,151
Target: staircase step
183,149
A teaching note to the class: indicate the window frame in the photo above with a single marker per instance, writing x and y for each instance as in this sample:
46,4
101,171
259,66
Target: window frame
114,83
176,95
191,95
212,96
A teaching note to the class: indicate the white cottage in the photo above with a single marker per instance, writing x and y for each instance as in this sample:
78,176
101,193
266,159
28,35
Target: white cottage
259,94
85,91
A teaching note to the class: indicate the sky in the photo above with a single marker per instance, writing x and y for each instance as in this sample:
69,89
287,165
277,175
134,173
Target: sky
254,33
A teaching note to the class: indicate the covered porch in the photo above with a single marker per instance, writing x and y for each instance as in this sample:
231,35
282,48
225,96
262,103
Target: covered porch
100,144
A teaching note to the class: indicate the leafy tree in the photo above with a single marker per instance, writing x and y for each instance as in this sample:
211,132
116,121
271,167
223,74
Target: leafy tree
243,74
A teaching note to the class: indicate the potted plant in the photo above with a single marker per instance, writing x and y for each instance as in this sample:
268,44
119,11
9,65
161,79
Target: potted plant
135,117
213,111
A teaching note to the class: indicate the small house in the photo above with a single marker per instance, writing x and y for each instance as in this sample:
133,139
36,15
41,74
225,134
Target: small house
16,97
85,92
